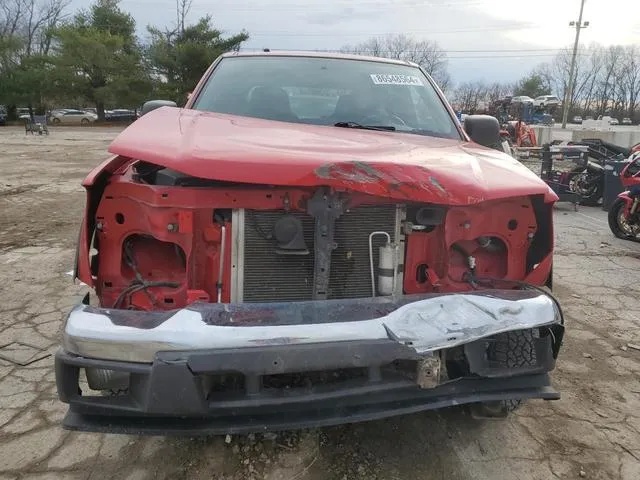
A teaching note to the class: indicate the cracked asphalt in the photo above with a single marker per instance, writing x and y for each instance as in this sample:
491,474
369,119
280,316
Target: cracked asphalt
593,432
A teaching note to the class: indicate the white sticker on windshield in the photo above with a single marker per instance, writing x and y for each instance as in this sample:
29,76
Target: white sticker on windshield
392,79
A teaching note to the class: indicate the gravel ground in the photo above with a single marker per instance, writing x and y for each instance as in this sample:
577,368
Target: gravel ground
592,432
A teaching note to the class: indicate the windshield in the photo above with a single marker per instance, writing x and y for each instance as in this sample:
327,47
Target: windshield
327,91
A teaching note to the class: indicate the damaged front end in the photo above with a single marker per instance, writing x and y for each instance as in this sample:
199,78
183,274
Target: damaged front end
221,368
227,307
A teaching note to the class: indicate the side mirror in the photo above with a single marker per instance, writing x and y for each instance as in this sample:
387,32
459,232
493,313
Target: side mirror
153,104
483,129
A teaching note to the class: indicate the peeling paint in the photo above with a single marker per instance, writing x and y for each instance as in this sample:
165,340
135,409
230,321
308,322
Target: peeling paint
353,172
436,184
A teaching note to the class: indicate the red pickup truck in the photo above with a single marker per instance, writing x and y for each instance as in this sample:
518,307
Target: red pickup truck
313,239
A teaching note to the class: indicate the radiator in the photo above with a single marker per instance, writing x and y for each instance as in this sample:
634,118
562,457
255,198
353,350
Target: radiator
261,275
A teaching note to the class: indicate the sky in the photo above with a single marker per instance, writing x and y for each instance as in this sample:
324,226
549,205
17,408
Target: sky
490,40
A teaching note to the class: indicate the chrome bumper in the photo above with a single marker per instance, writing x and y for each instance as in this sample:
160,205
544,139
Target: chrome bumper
425,323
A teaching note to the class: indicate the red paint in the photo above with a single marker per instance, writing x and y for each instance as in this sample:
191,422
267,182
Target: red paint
393,165
628,202
185,221
462,227
628,181
155,260
540,274
197,296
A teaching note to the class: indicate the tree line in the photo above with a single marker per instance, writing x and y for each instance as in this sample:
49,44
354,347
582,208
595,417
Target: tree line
606,82
49,56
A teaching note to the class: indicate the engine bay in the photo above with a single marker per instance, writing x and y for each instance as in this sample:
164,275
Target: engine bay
163,240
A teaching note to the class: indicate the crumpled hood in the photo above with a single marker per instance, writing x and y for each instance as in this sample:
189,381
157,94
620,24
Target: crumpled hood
390,164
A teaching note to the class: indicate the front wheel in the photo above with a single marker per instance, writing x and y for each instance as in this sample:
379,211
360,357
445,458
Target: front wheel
509,350
84,122
619,223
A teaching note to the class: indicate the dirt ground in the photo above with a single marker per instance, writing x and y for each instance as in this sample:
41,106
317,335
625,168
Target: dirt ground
593,432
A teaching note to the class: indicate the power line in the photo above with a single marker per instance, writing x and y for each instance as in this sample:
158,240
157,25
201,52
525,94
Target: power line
328,8
351,34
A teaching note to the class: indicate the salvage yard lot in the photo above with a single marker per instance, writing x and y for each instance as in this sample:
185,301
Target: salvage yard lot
593,432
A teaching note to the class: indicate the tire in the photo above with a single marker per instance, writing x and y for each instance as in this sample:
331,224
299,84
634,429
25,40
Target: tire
84,122
614,223
56,121
591,197
509,350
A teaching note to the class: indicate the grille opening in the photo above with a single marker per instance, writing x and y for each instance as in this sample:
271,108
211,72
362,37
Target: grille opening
100,382
283,381
421,273
229,383
402,368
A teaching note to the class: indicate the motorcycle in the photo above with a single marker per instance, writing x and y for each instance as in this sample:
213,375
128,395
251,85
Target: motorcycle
588,183
624,214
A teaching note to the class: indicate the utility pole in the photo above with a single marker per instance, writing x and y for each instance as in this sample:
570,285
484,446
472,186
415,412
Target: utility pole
568,92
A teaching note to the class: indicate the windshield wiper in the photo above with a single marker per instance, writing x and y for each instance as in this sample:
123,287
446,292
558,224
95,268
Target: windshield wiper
383,128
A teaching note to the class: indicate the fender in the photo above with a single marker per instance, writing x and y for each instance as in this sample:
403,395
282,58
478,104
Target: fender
94,184
628,201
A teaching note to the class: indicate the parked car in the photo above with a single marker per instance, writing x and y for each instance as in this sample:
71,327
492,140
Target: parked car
627,121
22,113
614,121
72,117
522,99
3,115
577,119
263,260
121,115
547,101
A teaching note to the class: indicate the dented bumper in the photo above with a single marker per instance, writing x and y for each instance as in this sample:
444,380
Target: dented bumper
216,368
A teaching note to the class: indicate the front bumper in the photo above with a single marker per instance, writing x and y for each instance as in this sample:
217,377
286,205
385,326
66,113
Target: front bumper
215,368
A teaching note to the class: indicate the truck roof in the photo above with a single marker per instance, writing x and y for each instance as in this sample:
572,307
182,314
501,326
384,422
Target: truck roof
294,53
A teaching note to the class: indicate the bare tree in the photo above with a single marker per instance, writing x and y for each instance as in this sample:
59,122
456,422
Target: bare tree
43,16
631,78
31,21
425,53
497,90
606,82
183,7
374,47
469,97
10,17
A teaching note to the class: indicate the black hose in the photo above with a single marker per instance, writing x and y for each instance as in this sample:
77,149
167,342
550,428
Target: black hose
136,287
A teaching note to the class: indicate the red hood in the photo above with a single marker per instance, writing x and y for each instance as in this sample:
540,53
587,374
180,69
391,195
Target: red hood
395,165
